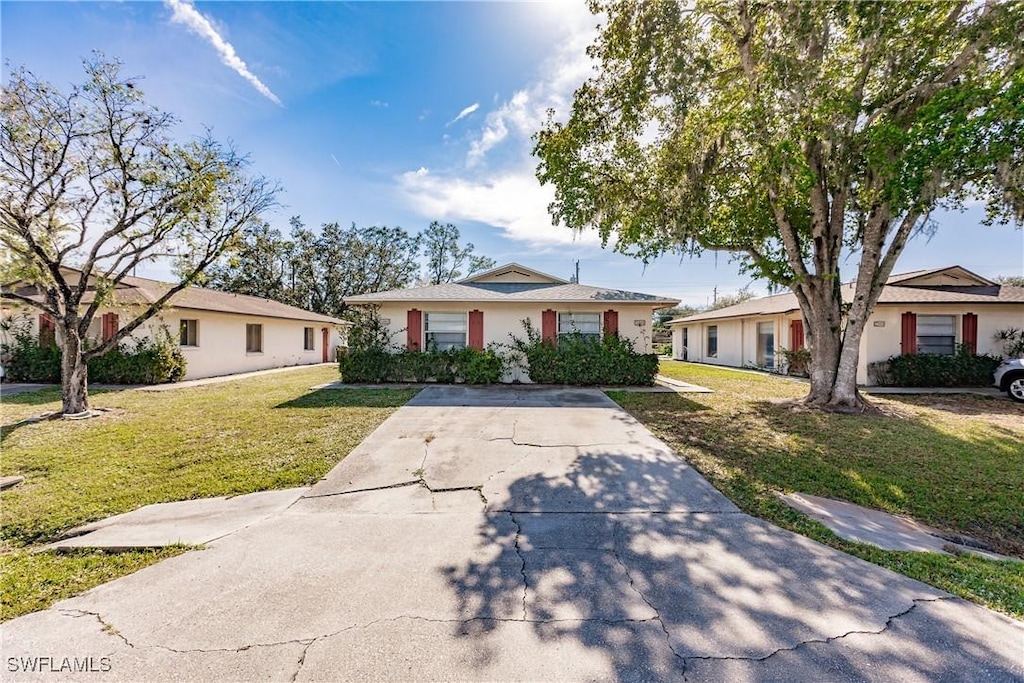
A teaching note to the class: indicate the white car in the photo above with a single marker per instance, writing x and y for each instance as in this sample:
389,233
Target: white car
1009,377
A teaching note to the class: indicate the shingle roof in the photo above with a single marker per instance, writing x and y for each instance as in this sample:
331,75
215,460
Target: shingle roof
143,291
891,294
564,293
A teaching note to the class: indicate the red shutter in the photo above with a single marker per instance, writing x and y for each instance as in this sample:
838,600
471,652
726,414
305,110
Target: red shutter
476,330
796,335
110,325
908,343
549,326
970,336
611,323
414,330
47,330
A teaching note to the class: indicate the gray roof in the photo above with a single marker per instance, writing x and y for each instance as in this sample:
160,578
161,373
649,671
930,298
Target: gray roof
143,291
891,294
513,292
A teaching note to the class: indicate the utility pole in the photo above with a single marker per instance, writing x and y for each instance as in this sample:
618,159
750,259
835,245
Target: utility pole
577,271
714,300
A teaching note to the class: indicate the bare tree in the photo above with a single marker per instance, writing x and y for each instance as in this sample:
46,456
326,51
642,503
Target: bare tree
91,186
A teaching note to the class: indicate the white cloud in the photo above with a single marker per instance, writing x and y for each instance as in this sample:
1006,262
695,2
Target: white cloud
184,12
465,112
379,103
512,201
501,189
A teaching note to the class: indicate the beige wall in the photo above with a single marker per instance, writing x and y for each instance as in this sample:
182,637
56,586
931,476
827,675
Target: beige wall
737,339
502,319
222,340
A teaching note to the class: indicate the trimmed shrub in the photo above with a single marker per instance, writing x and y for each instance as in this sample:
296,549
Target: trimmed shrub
469,366
584,361
134,361
962,369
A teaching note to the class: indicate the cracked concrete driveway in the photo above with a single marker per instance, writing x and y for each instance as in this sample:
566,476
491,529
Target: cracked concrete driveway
515,534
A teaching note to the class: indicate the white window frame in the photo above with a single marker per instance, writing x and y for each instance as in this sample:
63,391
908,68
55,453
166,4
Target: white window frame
250,328
762,353
922,321
309,338
572,323
707,341
183,339
450,320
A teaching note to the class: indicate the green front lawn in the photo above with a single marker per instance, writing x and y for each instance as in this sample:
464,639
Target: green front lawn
952,461
262,433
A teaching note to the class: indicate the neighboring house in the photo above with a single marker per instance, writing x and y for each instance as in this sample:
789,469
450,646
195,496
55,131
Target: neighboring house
489,307
220,333
926,311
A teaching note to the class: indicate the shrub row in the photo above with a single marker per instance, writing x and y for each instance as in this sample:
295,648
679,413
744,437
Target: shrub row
469,366
963,369
141,361
583,361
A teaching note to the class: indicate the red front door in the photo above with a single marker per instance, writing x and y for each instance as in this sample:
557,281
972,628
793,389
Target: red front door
326,340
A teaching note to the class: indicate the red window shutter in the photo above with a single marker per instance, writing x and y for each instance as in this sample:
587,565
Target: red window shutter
47,330
970,336
414,330
611,323
908,343
549,326
110,325
476,330
796,335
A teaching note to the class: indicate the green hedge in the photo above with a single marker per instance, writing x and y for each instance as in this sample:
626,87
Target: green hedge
138,361
963,369
585,361
469,366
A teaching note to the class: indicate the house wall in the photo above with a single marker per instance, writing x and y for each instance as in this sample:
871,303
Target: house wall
222,339
502,319
737,339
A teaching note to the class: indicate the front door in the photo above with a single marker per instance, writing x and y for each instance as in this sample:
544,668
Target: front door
325,343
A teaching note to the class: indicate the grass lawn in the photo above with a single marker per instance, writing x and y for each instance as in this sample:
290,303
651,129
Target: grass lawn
262,433
955,462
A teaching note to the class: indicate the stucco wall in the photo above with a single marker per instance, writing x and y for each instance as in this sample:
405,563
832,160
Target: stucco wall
222,340
502,319
737,339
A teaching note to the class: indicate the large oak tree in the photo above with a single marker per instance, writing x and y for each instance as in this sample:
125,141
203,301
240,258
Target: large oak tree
91,186
794,134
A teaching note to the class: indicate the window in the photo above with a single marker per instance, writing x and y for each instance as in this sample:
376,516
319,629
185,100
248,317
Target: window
936,334
445,331
686,342
307,339
253,338
587,325
766,345
712,341
189,333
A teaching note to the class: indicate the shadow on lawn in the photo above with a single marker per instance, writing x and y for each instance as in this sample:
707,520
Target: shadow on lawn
967,482
351,398
641,594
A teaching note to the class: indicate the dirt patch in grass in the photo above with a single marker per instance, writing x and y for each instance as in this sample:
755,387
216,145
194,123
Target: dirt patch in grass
959,467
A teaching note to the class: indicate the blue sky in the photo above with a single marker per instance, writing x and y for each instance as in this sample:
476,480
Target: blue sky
399,114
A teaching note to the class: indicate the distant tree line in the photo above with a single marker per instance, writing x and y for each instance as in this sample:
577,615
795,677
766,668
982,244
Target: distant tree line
317,269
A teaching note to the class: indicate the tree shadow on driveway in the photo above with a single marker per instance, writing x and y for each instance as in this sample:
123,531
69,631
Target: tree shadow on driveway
656,593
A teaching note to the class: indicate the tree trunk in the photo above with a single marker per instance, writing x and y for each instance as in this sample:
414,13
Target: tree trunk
73,370
835,351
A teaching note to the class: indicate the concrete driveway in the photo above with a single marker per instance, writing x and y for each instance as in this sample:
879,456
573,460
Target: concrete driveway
515,534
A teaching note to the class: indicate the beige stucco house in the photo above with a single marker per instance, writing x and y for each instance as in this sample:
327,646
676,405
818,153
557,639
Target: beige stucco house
220,333
923,311
488,307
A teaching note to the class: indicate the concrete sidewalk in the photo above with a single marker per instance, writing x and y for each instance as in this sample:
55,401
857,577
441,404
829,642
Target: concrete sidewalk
497,534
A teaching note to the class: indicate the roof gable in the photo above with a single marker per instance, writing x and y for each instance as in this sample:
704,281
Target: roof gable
513,273
950,276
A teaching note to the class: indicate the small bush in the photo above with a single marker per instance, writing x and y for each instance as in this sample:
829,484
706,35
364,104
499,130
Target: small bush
798,361
583,361
962,369
134,361
1012,341
469,366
